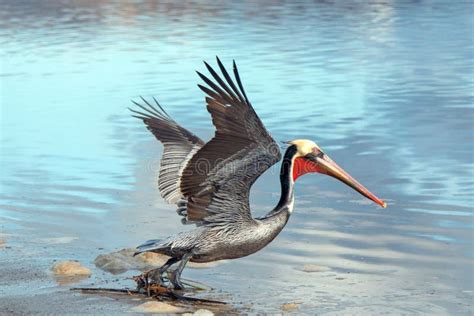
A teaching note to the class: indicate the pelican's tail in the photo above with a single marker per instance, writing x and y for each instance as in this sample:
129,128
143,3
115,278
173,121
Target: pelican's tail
151,245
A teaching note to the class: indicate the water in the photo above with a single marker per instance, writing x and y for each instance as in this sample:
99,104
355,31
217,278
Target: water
385,88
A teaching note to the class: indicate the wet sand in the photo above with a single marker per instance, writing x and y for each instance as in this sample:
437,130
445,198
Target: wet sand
267,282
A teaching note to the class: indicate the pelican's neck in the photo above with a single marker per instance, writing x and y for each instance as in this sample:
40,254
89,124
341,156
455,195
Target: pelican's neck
285,204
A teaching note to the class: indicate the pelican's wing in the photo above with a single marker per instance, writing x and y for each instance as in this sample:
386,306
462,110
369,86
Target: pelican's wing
217,180
179,147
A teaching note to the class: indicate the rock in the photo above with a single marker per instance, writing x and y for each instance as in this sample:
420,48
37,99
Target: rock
70,268
289,307
311,267
123,260
157,260
200,312
205,265
157,307
58,240
203,312
153,259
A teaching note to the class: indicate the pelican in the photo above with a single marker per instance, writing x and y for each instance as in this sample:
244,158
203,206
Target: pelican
210,182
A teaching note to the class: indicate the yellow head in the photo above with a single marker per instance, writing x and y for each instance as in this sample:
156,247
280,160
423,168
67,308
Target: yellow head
307,157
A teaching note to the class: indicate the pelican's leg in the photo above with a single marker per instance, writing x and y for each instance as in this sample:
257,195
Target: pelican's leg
156,275
175,277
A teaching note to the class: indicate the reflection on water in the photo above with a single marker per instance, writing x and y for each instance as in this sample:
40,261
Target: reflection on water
386,88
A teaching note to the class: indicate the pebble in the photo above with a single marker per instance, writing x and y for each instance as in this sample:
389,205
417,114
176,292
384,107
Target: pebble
157,307
203,312
70,268
289,307
58,240
310,267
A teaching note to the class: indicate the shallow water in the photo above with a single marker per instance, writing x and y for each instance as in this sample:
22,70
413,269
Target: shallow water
385,88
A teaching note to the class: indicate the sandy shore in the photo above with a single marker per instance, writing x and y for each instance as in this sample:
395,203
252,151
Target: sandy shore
27,285
34,280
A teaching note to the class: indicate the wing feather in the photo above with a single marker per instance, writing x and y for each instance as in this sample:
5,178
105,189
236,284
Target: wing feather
180,145
217,179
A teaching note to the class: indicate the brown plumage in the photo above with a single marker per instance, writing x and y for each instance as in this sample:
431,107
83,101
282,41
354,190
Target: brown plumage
210,182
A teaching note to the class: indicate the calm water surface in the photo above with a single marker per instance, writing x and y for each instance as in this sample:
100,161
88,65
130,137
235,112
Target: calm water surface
386,88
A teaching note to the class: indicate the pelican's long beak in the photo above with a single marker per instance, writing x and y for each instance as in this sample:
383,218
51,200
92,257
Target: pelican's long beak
328,166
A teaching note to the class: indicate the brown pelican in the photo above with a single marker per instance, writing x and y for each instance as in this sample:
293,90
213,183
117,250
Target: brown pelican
210,182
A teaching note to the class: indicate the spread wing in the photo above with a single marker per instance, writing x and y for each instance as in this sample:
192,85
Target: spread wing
179,147
217,179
